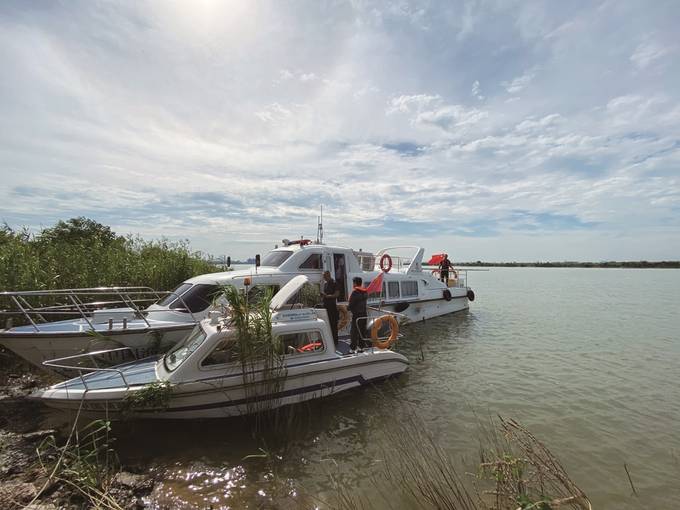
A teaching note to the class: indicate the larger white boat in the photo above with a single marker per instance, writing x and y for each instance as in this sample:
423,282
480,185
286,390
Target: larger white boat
204,376
407,288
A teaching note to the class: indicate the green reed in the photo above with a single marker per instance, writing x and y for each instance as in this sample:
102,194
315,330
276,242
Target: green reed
83,253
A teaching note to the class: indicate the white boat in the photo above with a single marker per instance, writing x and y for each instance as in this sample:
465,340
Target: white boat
408,288
89,320
203,379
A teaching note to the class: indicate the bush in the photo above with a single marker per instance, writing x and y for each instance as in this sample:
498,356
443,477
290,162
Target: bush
83,253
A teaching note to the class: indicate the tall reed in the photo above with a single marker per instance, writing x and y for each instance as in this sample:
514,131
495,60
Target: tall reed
82,253
259,352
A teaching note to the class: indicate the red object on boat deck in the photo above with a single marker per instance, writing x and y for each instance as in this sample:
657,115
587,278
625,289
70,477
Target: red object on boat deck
435,259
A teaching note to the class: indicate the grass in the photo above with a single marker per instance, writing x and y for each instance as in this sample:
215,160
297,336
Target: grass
80,253
85,465
256,348
516,471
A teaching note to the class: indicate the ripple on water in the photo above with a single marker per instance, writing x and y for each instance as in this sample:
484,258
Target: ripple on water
588,360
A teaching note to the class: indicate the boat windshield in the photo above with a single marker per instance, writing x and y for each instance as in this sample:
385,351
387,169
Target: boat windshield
275,258
183,349
177,292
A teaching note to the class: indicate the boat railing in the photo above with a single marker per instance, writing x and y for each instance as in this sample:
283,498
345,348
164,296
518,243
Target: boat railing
457,277
399,264
82,303
398,315
57,363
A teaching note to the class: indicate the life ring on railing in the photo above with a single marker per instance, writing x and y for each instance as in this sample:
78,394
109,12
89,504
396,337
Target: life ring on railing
343,317
386,260
309,347
447,294
375,330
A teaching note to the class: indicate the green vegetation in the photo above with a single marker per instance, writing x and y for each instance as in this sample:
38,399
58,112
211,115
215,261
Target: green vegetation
85,465
257,349
152,397
83,253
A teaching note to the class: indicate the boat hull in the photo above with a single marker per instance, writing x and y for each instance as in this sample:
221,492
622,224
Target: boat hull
220,396
38,347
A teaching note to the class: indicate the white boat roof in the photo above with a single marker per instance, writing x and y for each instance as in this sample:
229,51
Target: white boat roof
288,291
299,252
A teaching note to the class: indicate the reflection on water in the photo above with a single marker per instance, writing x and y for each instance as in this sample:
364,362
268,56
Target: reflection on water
587,359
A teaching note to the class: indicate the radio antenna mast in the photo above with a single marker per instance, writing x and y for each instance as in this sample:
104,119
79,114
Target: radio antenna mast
319,228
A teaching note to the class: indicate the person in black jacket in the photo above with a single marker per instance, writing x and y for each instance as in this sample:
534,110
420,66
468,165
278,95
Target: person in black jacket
444,267
357,306
330,303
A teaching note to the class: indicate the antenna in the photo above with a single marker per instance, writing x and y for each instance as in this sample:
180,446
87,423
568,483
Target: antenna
319,228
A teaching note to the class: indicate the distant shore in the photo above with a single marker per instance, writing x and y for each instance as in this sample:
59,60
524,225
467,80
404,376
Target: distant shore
634,264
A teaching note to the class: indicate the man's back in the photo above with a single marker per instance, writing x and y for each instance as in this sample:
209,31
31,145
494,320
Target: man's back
357,303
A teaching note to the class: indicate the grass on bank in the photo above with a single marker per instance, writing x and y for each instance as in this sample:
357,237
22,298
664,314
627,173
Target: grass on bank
80,253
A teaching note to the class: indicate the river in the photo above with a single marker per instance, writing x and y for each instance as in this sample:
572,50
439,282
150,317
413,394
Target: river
587,359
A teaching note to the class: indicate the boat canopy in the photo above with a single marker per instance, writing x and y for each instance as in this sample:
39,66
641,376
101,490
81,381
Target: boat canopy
288,291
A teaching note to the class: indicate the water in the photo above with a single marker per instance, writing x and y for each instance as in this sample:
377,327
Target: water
587,359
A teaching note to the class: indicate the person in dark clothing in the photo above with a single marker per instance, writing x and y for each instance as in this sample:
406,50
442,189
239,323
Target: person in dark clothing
330,303
357,306
444,267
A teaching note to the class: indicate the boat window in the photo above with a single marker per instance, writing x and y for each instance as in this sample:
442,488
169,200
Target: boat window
312,262
302,342
177,292
225,352
275,258
197,299
393,288
409,288
183,349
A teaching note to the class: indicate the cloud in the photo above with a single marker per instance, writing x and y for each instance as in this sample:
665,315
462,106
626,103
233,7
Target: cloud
648,52
476,90
519,83
231,124
407,104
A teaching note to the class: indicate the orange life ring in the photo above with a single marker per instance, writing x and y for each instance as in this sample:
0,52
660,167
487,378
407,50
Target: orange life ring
343,317
394,331
386,260
309,347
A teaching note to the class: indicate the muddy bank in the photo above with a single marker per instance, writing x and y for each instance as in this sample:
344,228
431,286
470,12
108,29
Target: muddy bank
36,470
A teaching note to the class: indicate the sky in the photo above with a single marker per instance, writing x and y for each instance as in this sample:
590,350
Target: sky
497,131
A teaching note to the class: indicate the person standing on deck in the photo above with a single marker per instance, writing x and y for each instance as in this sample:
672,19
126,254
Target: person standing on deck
444,267
357,306
330,303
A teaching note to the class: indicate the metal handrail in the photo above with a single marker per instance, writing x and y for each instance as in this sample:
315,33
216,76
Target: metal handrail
85,290
53,363
83,308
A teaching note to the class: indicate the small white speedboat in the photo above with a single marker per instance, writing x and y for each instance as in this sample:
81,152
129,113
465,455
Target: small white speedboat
202,377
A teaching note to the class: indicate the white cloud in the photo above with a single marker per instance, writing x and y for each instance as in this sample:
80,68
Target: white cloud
519,83
648,52
231,125
407,104
476,90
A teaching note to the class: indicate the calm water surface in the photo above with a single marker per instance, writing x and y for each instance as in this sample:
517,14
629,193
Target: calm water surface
587,359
